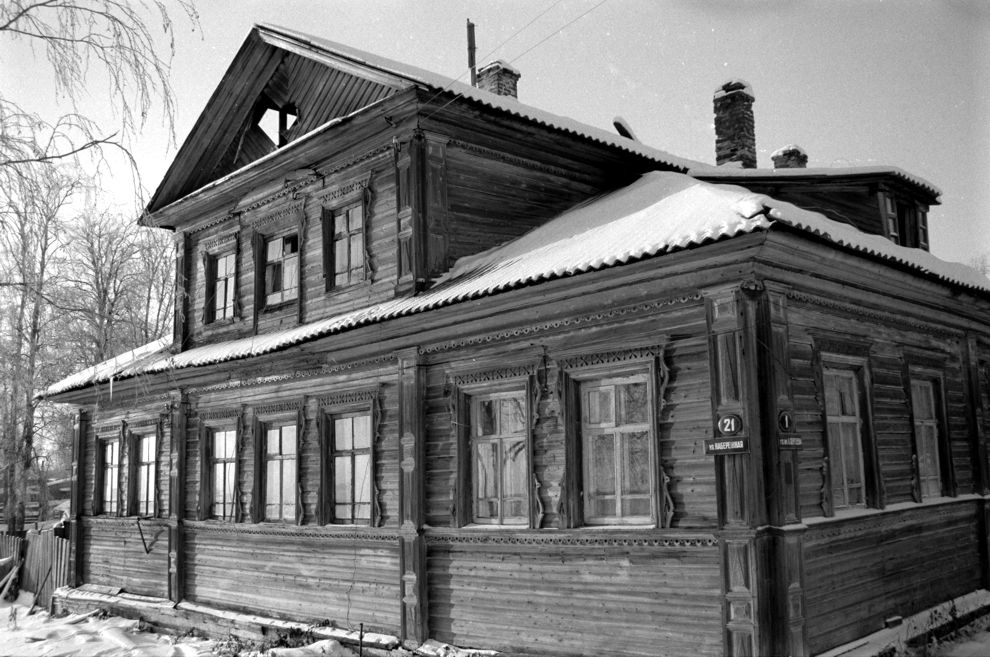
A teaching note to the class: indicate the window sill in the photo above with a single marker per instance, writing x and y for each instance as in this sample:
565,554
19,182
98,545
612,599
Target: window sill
278,307
218,324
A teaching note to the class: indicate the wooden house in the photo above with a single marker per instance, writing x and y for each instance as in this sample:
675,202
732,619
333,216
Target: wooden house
451,367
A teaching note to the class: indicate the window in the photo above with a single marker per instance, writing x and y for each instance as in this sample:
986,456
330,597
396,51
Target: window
906,223
144,474
928,434
280,473
845,449
499,459
347,246
220,286
108,471
281,270
616,441
222,466
351,467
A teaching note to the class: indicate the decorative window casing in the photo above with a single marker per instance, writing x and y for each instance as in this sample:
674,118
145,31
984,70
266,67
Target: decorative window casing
349,427
281,269
280,455
614,401
219,462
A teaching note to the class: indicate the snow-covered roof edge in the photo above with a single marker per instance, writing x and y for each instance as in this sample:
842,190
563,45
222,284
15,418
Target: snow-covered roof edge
662,212
708,171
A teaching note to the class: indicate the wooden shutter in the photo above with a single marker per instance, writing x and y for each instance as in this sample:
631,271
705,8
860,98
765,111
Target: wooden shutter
300,429
238,455
204,502
258,247
98,474
326,220
324,488
258,489
300,264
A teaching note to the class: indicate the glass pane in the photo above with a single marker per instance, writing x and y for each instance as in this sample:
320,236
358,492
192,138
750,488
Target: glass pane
343,434
273,485
512,415
220,297
603,507
357,252
342,480
273,252
362,431
289,487
272,443
362,511
290,245
289,439
833,405
600,405
486,470
290,276
602,464
636,462
847,390
514,480
340,261
340,279
923,400
340,224
342,511
362,478
355,217
486,417
634,403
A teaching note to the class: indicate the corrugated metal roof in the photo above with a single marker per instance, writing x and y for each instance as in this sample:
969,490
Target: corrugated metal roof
660,212
737,173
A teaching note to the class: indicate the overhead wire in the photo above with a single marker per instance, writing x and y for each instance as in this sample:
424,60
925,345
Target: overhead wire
519,56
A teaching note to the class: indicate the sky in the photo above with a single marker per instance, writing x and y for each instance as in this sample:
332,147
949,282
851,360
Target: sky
903,83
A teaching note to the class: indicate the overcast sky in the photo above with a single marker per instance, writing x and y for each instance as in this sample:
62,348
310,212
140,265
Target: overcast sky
904,83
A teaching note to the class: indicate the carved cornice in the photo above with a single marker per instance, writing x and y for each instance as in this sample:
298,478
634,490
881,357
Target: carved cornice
225,413
875,315
535,329
215,243
514,160
348,398
329,368
210,223
584,540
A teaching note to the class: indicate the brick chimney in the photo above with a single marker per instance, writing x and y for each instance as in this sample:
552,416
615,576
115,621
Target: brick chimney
791,156
735,132
499,78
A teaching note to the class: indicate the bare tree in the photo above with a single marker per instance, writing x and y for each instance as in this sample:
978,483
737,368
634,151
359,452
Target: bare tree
31,214
75,34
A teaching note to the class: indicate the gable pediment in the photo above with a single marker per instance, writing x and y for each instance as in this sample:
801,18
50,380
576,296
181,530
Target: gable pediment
273,77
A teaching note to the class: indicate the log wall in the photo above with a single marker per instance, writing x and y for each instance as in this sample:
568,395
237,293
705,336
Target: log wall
114,554
860,571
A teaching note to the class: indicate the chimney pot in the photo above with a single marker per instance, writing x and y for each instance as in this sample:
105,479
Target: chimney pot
499,78
735,131
791,156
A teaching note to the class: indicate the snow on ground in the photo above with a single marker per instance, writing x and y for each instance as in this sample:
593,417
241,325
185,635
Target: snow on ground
88,635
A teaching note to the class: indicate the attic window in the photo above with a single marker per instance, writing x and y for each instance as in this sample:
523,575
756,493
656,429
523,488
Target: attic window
905,222
277,122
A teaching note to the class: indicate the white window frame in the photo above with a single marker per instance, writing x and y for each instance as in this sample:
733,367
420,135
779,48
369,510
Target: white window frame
500,439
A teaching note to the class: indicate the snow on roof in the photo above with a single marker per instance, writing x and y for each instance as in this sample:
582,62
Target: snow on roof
660,212
709,171
733,85
794,148
508,104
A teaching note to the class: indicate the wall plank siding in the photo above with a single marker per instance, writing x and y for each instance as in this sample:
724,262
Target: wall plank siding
294,574
114,554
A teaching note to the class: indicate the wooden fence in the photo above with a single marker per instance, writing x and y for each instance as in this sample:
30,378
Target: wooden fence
46,561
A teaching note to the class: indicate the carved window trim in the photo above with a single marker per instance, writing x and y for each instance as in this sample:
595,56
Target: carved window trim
101,503
131,435
350,403
211,256
356,193
210,423
462,391
929,369
646,361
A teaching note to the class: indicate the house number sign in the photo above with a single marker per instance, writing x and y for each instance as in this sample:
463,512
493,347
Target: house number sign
729,442
729,425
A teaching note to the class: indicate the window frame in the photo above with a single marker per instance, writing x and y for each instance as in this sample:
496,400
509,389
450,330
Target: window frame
330,214
266,271
211,279
647,362
138,467
103,499
853,359
209,428
467,497
340,405
262,436
923,369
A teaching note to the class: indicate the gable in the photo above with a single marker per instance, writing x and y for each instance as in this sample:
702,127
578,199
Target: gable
267,76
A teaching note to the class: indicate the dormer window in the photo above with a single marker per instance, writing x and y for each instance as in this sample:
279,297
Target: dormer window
281,269
905,222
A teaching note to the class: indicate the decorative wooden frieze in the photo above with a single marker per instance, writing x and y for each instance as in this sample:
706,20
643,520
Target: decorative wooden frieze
612,357
277,408
842,346
514,160
492,375
210,223
330,368
348,398
555,539
225,413
333,194
219,241
323,533
277,215
875,315
533,329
